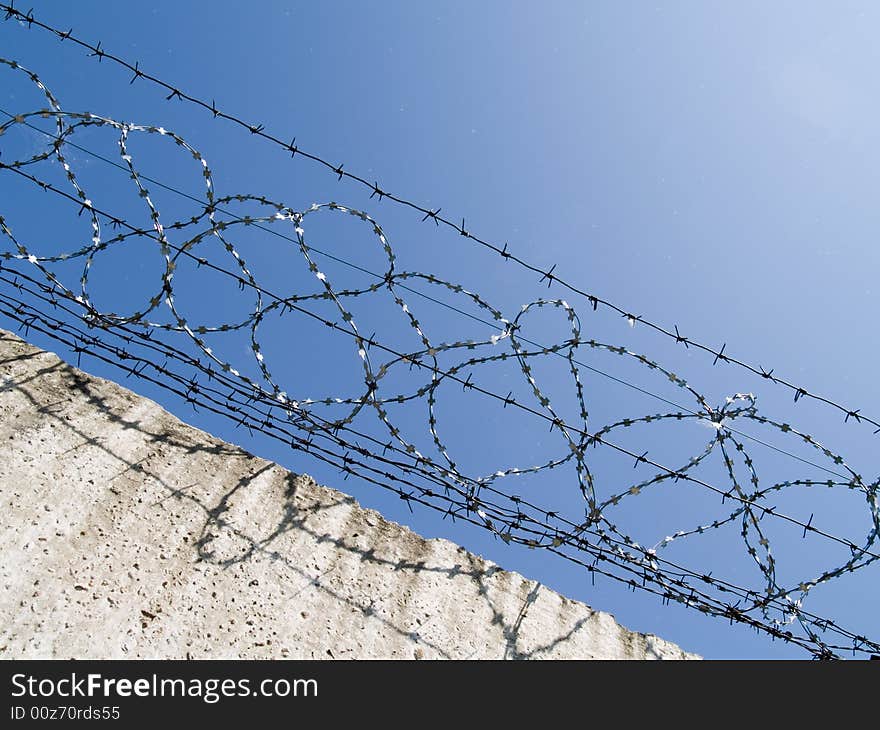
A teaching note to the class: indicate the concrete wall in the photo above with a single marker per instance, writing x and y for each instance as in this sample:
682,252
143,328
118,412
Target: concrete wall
128,534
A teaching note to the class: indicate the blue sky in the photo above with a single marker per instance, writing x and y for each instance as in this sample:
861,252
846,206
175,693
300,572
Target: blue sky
708,165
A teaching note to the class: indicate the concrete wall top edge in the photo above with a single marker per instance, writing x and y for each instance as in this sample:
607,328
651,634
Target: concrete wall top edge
130,534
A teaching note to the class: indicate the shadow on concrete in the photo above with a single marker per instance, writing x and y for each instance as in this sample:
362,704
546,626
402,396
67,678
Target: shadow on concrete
262,539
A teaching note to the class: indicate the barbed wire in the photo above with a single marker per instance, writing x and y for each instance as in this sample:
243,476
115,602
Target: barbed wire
588,536
546,273
580,363
672,584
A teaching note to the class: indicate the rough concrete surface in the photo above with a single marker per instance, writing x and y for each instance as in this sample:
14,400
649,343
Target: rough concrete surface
128,534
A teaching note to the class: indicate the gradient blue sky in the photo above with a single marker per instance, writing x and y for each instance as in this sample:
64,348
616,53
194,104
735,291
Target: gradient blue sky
712,165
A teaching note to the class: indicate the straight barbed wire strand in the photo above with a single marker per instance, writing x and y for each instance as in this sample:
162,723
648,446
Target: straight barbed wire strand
676,589
93,316
546,272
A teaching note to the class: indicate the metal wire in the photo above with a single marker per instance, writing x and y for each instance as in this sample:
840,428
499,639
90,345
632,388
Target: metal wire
580,363
420,474
546,273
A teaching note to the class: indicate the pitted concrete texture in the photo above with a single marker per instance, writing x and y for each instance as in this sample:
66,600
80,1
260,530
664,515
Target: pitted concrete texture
128,534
